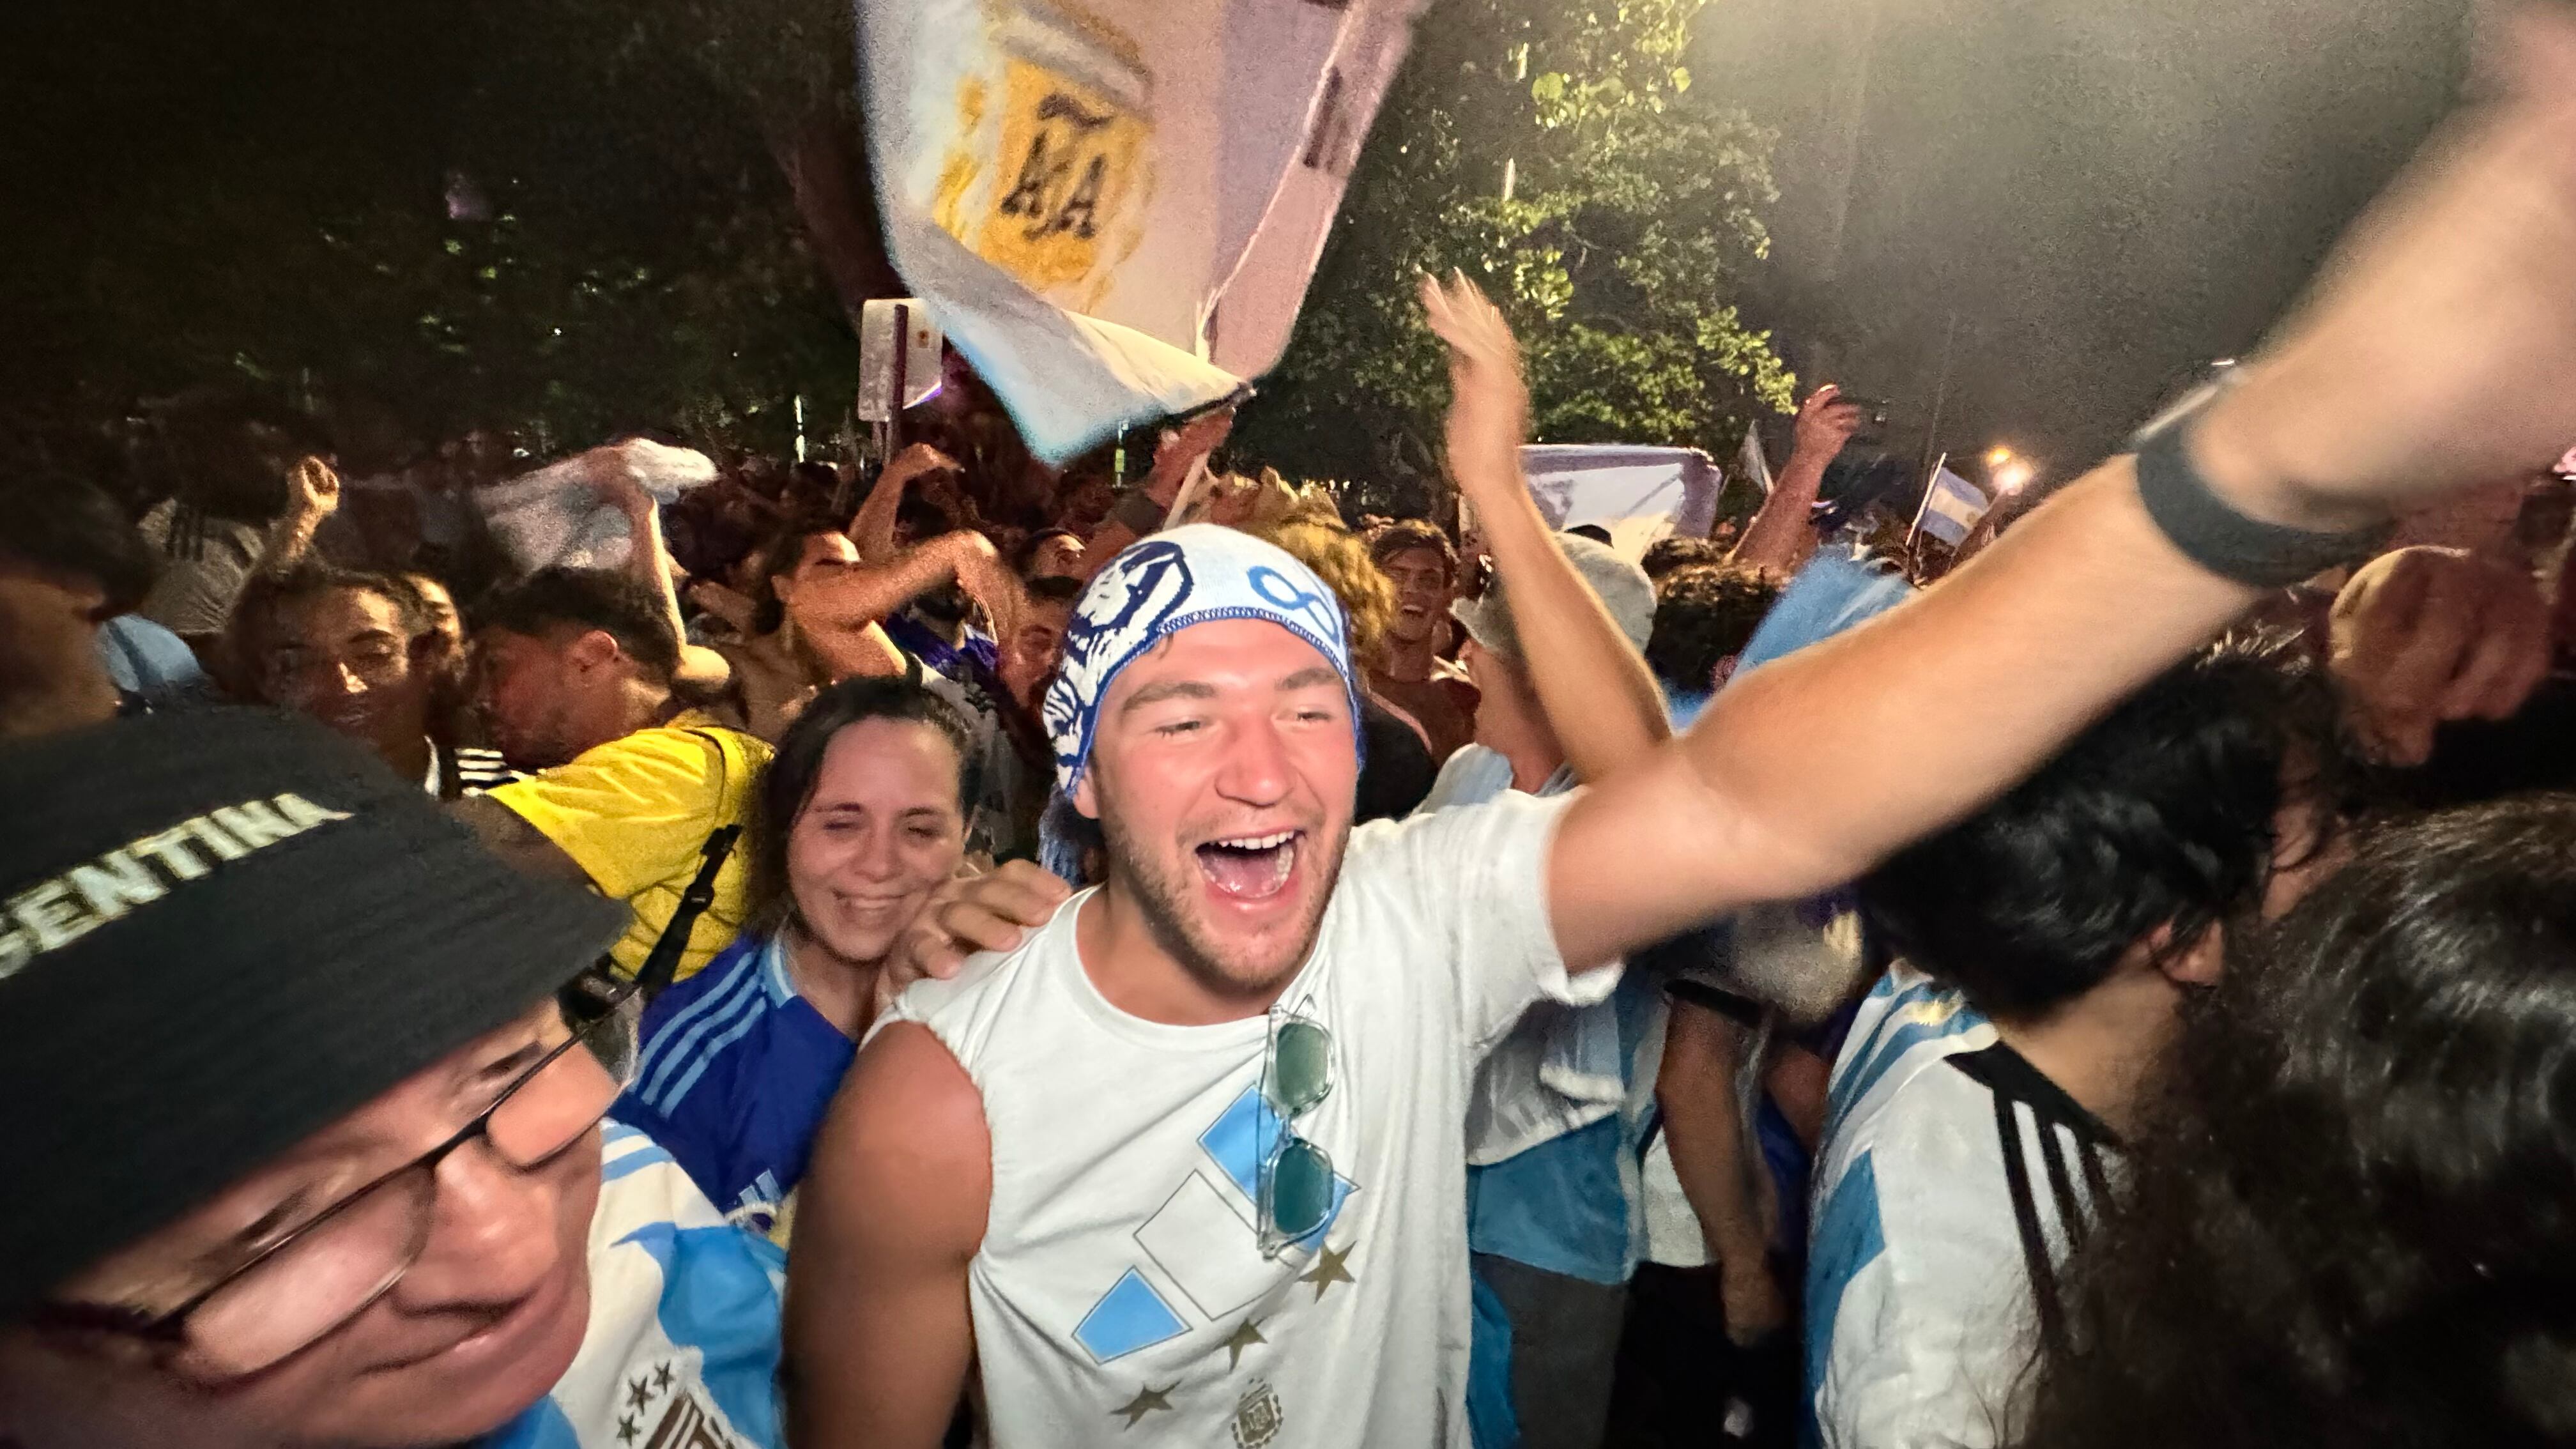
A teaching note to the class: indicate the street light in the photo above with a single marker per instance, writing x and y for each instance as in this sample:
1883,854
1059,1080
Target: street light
2009,472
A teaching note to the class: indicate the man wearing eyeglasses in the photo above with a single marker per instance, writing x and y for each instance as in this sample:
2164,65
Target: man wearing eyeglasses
302,1150
1186,1166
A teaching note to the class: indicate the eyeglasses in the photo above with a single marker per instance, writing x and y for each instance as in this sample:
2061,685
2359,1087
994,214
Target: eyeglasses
1296,1179
307,1284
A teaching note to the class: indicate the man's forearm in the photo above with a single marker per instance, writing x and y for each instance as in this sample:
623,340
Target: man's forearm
649,562
289,540
1598,694
1901,727
854,598
1782,534
872,529
1703,1129
1807,772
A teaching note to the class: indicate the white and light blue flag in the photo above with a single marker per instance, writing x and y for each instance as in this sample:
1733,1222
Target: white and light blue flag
1951,506
1114,208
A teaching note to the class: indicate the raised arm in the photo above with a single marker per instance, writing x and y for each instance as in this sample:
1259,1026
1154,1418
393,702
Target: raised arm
1781,535
2440,351
316,491
649,560
878,1338
855,598
1599,696
1178,451
872,529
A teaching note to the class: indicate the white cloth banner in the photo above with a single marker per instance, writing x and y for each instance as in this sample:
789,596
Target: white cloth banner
1114,210
1639,493
559,516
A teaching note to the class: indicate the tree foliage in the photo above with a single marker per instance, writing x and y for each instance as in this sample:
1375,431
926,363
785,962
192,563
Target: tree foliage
560,217
1560,156
576,217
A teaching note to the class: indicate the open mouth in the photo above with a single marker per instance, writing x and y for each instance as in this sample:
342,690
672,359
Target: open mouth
1251,867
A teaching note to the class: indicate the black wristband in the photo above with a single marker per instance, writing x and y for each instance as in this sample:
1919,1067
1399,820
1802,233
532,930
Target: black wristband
1137,512
2215,536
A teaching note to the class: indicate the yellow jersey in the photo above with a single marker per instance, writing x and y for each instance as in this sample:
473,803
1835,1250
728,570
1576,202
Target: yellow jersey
635,814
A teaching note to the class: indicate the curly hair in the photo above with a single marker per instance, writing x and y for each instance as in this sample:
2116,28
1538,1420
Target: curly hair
1678,551
2160,815
2352,1220
1342,561
1704,615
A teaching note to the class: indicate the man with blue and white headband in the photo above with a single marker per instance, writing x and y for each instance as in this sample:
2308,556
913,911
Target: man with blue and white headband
1186,1165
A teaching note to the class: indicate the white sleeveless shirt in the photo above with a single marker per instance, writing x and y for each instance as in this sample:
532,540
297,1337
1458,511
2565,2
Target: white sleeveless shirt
1120,1296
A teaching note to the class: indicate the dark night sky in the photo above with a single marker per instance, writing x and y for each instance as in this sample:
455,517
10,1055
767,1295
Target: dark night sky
2106,195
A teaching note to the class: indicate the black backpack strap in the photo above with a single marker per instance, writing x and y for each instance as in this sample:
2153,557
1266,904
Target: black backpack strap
662,963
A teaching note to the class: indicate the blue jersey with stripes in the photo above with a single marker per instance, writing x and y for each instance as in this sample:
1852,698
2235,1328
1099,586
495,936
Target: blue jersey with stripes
734,1073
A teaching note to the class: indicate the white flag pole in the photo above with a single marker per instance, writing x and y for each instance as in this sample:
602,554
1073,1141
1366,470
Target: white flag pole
1191,487
1931,481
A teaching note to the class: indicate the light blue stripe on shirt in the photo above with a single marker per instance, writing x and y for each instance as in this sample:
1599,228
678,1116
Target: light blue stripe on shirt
737,999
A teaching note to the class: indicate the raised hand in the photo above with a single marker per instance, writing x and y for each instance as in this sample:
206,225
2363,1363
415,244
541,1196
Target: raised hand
317,490
1825,424
992,912
1488,402
2426,635
918,461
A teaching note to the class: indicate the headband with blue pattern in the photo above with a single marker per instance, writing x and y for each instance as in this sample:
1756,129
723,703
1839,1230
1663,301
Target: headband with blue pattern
1158,586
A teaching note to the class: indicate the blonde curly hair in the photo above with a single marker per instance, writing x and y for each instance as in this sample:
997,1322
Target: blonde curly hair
1309,529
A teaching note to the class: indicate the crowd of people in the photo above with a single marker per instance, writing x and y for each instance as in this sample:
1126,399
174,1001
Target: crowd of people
963,953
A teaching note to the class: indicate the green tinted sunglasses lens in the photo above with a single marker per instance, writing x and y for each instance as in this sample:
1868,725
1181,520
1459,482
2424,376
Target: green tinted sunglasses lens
1301,1067
1301,1189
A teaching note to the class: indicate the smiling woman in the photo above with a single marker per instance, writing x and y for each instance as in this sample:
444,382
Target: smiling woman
860,817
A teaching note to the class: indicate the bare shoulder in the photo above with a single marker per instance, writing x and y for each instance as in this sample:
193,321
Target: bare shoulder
905,1143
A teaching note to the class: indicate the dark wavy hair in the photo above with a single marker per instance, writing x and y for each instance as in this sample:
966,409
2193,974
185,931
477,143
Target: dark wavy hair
250,630
1705,614
2352,1221
778,557
787,785
1406,535
2161,813
613,603
67,525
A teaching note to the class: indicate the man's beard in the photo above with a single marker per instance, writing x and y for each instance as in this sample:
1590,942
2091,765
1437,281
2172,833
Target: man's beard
1163,902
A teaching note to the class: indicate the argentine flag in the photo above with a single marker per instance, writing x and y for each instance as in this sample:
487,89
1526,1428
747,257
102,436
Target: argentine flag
1951,506
1113,208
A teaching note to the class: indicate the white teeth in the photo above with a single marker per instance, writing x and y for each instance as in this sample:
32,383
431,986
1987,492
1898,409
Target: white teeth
1259,842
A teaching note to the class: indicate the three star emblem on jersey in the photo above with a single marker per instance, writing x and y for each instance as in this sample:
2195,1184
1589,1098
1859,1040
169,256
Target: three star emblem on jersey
666,1414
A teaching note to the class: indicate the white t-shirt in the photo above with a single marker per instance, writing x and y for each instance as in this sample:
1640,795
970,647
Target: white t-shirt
1923,1293
1120,1295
